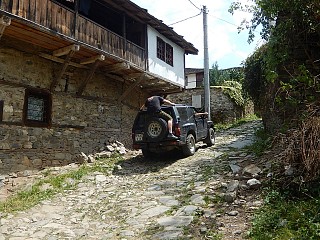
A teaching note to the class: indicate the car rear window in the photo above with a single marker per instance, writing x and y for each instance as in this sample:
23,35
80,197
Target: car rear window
168,110
141,120
183,113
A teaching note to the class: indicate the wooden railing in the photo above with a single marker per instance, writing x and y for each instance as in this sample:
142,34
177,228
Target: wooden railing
65,21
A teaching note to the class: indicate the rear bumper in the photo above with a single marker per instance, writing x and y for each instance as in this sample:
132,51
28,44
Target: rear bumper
158,146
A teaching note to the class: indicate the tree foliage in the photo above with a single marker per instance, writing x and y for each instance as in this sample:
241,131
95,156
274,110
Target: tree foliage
283,75
219,76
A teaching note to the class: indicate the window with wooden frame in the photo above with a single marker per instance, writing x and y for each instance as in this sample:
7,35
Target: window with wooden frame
161,47
37,108
169,54
164,51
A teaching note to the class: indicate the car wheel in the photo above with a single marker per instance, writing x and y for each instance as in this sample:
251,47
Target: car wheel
146,153
156,129
210,139
190,148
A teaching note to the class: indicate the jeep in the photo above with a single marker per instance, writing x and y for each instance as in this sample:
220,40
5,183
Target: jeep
149,132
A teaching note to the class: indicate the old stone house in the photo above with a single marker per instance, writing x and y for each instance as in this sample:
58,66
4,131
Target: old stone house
223,108
73,74
194,78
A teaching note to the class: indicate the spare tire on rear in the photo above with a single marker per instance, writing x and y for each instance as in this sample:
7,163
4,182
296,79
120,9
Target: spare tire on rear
156,129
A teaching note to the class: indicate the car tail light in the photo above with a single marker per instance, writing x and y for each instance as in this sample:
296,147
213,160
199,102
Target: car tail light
177,131
136,146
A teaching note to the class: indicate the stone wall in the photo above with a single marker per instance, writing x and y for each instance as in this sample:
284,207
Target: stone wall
222,108
78,124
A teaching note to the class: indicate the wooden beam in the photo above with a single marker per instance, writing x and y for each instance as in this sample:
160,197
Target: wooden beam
165,91
60,60
130,89
4,22
92,59
115,77
66,50
116,67
88,78
65,65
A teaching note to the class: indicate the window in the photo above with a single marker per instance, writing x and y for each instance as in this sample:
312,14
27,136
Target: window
161,46
169,54
37,108
164,51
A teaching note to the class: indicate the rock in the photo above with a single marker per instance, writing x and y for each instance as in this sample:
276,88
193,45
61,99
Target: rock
197,199
229,197
104,154
289,170
253,183
251,170
233,186
235,168
233,213
84,157
177,221
101,178
45,187
122,150
91,159
110,148
118,167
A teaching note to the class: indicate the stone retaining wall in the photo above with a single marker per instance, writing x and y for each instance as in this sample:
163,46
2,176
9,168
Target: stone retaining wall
223,109
78,124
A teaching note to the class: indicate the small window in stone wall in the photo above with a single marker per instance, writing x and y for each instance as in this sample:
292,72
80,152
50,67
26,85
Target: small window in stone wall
37,108
1,110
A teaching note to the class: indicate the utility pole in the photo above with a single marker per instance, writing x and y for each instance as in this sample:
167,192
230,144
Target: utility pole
206,64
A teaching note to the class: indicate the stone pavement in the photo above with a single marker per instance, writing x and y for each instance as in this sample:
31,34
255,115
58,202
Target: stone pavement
169,198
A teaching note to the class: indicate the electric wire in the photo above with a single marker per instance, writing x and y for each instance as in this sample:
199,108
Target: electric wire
185,19
195,5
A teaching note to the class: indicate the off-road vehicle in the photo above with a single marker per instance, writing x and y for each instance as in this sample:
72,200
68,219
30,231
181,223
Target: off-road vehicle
149,132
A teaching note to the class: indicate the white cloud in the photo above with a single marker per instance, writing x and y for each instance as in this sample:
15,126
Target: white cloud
226,46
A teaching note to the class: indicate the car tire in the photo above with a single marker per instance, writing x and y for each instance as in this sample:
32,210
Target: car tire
190,148
156,129
147,154
210,139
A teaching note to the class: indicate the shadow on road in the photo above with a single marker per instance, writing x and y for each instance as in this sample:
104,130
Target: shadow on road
142,165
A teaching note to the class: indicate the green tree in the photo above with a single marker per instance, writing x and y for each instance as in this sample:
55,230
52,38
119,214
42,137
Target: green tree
286,71
219,76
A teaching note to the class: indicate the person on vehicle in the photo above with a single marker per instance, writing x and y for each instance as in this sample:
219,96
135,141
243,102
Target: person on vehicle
153,105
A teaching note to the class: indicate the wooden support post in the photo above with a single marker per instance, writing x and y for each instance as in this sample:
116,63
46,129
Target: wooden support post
4,22
129,90
88,78
65,65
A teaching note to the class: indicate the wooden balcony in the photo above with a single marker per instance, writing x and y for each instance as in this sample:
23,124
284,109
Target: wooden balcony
57,19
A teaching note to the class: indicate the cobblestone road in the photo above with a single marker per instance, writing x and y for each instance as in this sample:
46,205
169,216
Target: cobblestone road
168,198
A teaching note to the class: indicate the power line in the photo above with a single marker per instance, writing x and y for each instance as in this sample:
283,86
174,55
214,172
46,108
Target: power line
195,5
223,20
185,19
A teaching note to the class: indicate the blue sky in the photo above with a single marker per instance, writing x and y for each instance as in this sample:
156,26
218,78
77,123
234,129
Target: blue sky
226,46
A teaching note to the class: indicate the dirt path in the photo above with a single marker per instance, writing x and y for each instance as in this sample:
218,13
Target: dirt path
199,197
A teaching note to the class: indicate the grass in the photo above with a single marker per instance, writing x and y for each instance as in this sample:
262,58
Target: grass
239,122
288,213
287,218
28,198
262,143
